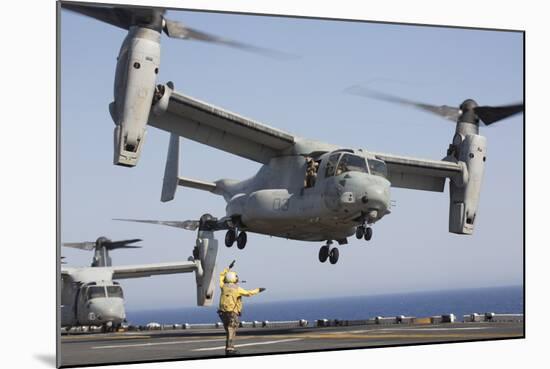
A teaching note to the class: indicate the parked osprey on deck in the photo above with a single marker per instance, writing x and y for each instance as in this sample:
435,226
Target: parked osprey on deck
91,296
305,190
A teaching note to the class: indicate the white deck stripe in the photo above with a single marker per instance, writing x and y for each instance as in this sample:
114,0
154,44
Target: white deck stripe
249,344
156,343
429,329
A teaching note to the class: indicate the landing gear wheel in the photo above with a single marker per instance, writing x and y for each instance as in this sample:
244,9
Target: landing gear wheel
368,233
241,240
323,253
230,237
360,232
334,254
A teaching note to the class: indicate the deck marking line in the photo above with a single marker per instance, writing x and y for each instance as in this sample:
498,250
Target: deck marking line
248,344
96,338
430,329
156,343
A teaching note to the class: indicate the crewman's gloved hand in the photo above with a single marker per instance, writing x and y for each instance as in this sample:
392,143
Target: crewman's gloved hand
262,289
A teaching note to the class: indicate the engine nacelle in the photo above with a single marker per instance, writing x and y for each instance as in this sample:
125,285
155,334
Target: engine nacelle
207,250
135,80
465,192
162,98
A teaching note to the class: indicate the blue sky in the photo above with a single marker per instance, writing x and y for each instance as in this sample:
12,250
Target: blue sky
411,249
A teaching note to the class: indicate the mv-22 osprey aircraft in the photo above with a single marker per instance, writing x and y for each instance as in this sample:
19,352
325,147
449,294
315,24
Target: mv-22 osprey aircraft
305,190
92,296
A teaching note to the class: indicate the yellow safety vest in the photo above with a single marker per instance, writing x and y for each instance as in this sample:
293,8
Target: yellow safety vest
230,300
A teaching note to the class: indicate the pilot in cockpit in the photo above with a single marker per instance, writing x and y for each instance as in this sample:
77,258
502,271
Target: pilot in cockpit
342,165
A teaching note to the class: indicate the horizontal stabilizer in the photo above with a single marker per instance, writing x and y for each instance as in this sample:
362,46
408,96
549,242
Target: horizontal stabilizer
196,184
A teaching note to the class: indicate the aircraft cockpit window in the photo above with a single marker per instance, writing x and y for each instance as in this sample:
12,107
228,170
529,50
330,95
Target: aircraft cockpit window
331,165
114,291
351,163
378,168
94,292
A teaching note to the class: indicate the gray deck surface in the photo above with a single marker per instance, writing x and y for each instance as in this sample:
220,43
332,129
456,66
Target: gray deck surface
85,349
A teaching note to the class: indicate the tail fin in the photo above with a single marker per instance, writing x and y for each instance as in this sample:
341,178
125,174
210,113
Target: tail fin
170,182
171,178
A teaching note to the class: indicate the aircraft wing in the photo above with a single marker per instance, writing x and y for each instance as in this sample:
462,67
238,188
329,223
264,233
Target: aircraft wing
147,270
419,174
220,128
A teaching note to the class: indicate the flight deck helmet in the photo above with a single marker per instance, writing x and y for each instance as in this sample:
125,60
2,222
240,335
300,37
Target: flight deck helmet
231,277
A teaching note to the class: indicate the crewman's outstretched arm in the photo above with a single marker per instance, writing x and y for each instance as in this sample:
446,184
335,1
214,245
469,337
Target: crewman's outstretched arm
247,293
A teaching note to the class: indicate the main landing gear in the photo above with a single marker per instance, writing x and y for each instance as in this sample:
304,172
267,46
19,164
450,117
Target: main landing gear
363,232
231,236
327,253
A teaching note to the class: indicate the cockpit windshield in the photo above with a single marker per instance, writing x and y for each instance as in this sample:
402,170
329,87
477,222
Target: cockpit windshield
94,292
331,165
114,291
378,168
351,163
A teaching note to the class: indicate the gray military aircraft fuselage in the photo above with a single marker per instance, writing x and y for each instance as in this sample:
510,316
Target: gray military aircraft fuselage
345,189
91,297
324,196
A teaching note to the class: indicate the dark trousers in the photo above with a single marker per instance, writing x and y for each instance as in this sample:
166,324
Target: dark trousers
230,322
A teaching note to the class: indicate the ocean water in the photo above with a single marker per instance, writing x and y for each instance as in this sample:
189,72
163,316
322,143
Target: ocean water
420,304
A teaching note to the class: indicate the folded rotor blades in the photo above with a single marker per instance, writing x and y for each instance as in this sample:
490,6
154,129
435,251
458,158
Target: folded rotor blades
88,246
124,244
104,242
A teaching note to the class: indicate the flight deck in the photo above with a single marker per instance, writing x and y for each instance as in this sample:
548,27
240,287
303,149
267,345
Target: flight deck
209,342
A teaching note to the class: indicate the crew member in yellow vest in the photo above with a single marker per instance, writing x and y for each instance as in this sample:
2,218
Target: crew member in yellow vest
231,305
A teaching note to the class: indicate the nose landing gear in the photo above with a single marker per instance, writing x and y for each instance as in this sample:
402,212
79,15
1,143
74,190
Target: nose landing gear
241,240
231,236
368,233
325,252
363,232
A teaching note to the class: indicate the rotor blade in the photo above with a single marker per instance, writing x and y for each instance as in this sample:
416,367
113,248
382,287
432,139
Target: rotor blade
124,244
189,225
445,111
175,29
80,245
116,16
492,114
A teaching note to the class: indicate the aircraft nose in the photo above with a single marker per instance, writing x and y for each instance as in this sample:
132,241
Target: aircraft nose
108,309
377,197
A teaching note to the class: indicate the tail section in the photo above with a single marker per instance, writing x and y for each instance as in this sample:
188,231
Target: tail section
170,182
171,178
